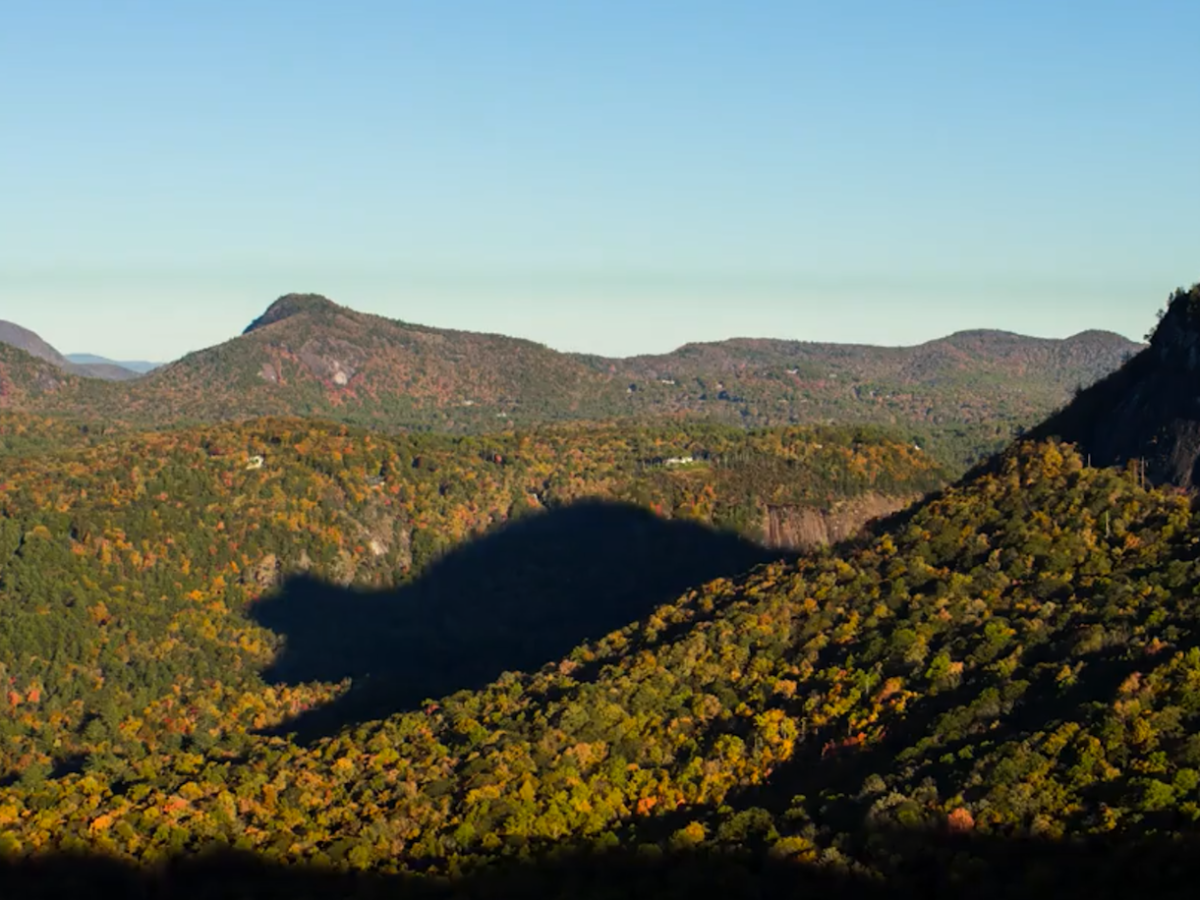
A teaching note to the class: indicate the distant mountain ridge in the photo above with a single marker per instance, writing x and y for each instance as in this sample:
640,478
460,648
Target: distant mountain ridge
93,367
140,366
1090,352
306,355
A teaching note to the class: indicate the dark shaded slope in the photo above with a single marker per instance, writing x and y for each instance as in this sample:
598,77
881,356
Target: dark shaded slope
1149,410
514,599
950,867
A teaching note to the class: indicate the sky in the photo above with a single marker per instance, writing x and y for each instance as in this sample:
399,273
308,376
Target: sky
608,176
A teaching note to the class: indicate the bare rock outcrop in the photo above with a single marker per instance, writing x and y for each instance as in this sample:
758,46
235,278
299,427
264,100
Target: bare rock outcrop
795,527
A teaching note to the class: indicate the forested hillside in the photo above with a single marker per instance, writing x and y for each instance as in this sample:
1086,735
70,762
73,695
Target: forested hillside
1016,660
566,662
962,396
134,572
26,380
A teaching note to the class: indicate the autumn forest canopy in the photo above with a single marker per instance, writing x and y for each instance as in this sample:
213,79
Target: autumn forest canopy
415,622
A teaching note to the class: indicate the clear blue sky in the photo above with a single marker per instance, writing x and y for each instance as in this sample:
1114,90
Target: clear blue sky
615,176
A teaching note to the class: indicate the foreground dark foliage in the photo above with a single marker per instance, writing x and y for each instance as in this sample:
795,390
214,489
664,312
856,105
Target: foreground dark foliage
926,866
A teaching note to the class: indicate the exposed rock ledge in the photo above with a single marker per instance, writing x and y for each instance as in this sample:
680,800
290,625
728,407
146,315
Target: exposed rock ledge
795,527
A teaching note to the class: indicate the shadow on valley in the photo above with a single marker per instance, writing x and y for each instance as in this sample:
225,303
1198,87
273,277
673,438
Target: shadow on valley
513,599
918,865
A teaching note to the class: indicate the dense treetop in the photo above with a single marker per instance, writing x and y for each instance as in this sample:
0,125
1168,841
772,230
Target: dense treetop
128,565
1017,657
578,659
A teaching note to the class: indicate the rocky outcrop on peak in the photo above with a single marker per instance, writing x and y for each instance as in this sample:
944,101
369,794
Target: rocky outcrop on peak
290,305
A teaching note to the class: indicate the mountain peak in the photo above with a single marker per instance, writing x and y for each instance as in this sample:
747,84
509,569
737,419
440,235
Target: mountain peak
1176,339
31,343
290,305
1147,411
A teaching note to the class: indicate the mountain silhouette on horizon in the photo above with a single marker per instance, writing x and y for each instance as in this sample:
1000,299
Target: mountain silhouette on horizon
308,356
94,367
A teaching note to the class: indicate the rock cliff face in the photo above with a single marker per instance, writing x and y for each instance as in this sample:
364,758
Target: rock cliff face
1148,411
793,527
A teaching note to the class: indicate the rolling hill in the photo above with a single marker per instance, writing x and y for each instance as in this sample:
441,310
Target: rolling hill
308,356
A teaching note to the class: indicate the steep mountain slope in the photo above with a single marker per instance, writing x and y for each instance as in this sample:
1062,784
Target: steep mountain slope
308,356
26,380
23,339
1149,410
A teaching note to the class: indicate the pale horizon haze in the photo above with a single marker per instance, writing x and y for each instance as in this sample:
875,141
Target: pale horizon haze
606,177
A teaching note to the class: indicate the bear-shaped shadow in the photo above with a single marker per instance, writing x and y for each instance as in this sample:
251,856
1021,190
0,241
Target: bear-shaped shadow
519,596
